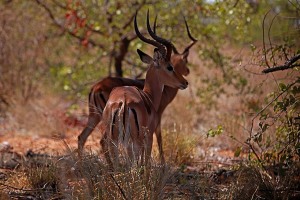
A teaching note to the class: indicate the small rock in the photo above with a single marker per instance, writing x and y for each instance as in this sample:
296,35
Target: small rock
5,146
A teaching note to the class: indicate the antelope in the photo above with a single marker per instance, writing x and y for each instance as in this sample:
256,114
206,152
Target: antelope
130,116
100,92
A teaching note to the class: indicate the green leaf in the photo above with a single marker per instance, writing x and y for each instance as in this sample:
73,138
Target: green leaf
282,86
214,132
238,151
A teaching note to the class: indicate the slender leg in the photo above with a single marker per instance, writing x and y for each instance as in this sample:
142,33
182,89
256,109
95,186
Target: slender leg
105,143
148,148
96,106
159,143
114,144
148,141
92,123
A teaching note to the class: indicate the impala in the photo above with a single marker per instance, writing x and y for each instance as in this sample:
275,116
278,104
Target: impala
100,92
130,116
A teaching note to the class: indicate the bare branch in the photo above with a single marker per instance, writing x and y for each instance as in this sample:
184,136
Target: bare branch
288,65
51,15
235,4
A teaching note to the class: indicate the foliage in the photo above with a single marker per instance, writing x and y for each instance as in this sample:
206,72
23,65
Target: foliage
111,36
281,143
215,132
273,132
277,139
85,44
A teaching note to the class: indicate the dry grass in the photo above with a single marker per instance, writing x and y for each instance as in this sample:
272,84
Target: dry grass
40,116
179,149
254,183
68,177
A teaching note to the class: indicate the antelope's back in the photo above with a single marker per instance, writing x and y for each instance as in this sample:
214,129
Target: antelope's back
108,83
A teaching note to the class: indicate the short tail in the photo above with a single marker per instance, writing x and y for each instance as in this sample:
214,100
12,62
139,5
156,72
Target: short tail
97,102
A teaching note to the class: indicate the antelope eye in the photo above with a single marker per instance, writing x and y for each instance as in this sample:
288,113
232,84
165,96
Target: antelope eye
170,68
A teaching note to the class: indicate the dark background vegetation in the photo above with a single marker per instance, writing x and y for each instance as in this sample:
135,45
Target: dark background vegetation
244,93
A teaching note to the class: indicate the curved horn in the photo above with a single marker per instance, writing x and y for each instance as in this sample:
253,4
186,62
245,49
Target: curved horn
190,36
144,39
174,49
163,41
154,25
154,30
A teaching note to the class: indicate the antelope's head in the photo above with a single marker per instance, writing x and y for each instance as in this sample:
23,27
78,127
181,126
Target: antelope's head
161,60
180,60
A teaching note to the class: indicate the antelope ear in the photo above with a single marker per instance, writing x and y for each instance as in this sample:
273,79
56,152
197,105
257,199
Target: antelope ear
145,58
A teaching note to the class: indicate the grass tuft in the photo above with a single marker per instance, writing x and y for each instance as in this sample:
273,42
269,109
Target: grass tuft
179,148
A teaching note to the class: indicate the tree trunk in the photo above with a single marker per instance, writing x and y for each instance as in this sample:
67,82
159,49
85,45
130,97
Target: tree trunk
123,49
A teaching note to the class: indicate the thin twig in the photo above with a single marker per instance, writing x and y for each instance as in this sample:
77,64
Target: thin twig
236,3
264,42
121,190
270,41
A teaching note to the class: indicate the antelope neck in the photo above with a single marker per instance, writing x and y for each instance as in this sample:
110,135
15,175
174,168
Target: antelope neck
153,87
168,95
